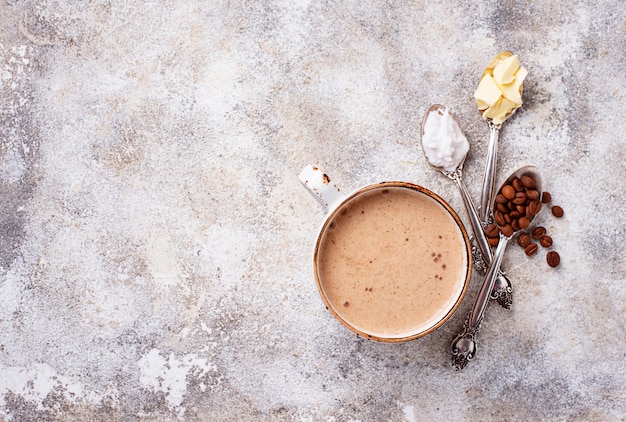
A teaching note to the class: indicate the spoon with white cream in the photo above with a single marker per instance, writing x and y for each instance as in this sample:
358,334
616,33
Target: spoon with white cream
446,147
464,345
498,96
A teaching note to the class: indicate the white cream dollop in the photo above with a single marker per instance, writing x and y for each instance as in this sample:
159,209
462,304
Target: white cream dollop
443,141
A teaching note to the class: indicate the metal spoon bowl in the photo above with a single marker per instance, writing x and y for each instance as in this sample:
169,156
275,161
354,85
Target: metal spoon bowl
502,288
464,346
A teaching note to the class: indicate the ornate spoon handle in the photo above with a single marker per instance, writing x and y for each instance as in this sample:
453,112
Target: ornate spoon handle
464,345
503,291
489,178
474,220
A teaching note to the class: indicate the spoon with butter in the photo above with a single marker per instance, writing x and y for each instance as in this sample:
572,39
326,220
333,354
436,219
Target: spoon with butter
498,96
446,147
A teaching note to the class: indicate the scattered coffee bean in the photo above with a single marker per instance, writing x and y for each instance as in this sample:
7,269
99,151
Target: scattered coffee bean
492,231
524,240
545,241
538,232
493,241
546,197
553,259
557,211
531,249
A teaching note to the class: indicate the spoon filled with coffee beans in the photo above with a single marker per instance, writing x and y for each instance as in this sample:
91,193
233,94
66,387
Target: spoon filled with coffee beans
516,204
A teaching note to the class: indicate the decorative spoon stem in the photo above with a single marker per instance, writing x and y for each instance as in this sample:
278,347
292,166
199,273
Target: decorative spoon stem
475,222
489,178
464,346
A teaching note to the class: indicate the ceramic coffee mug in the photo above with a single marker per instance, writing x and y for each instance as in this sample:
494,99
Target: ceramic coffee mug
392,260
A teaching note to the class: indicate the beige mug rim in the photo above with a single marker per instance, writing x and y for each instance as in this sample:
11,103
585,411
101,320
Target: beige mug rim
466,241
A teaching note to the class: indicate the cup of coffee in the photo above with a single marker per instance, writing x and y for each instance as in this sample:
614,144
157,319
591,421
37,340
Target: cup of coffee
392,260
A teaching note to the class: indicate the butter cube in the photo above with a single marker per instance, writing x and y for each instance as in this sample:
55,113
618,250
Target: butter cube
500,111
512,90
487,94
482,105
504,72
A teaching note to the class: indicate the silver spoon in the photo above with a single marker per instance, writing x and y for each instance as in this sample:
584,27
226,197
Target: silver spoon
502,291
464,346
489,179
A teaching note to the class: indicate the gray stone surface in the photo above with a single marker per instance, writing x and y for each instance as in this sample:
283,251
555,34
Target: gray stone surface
155,241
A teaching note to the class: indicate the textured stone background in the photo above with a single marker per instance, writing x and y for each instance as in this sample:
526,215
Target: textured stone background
155,241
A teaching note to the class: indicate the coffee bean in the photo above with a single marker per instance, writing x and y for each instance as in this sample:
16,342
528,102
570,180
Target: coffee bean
520,200
524,222
528,182
507,218
532,194
492,231
546,197
506,230
531,249
533,208
538,232
502,207
498,217
521,209
508,191
517,185
500,199
545,241
553,259
524,240
493,241
557,211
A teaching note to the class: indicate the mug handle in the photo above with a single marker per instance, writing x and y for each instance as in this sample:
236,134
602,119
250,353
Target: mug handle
321,187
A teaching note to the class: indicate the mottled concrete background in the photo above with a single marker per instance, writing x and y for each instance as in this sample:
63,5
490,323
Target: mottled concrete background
155,241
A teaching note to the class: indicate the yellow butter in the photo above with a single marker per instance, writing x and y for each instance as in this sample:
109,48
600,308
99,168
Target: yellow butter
499,92
487,92
504,71
500,111
512,90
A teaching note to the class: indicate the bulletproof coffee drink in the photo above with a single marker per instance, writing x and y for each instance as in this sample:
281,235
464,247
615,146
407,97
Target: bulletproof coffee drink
392,263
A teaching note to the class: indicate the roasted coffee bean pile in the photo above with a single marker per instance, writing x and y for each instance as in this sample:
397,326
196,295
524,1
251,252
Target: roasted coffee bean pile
515,206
